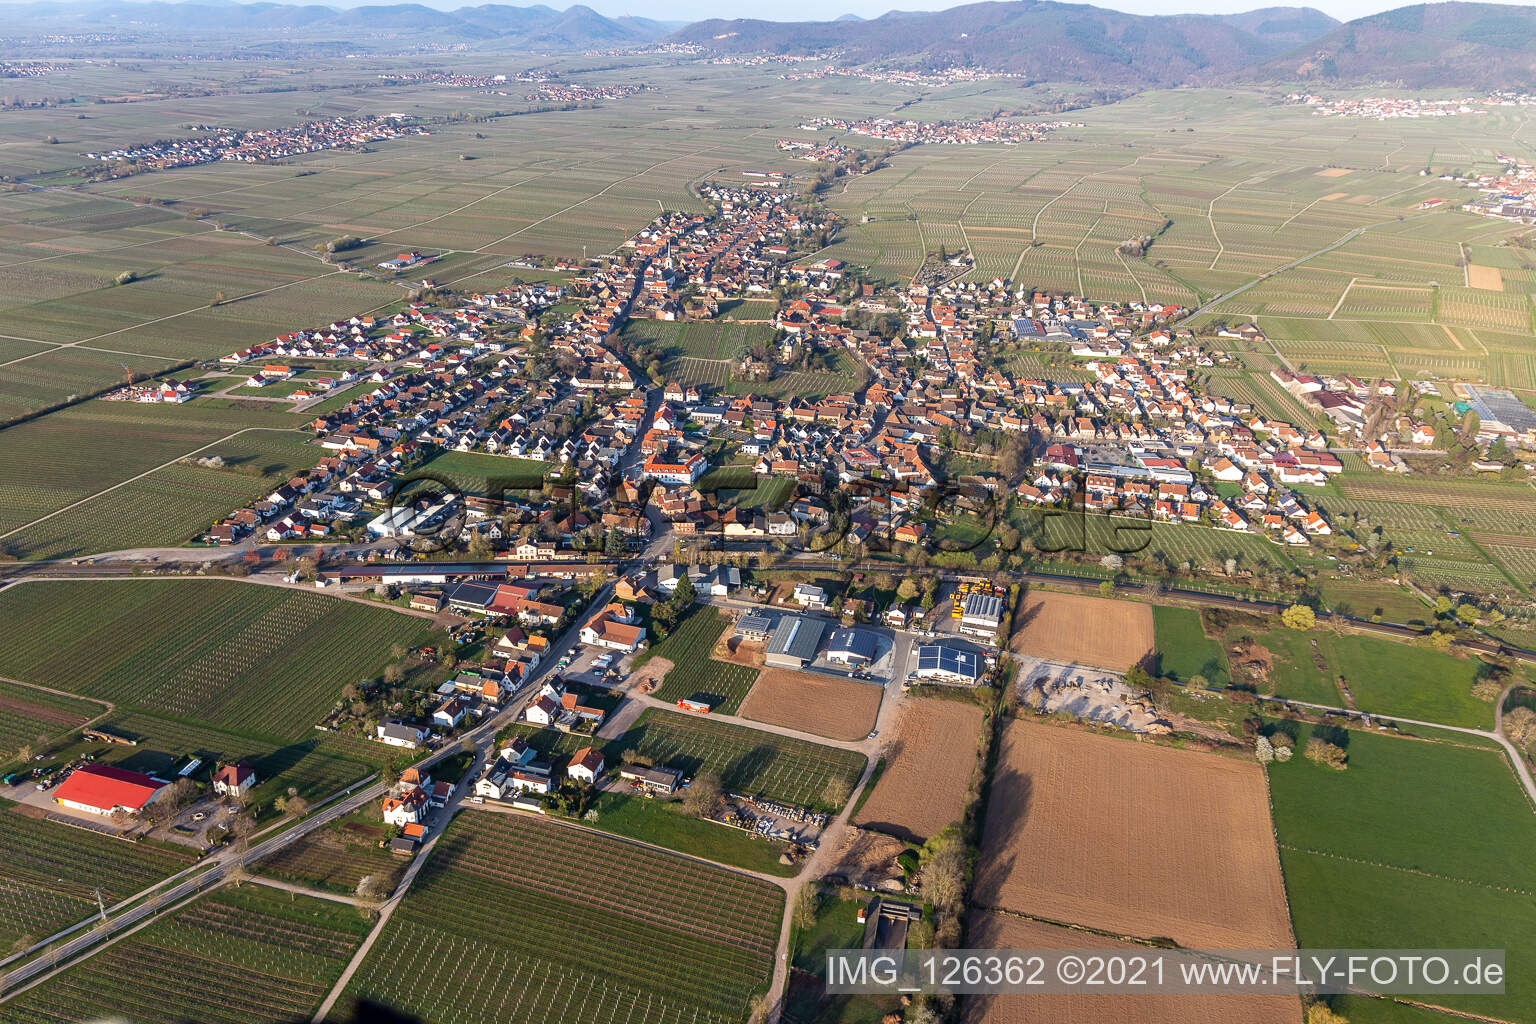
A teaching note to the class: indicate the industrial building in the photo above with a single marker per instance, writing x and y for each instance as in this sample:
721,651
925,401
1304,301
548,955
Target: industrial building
794,641
939,663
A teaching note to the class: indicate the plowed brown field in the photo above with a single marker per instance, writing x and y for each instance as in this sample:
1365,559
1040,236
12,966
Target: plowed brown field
928,767
1002,931
1083,630
839,709
1133,839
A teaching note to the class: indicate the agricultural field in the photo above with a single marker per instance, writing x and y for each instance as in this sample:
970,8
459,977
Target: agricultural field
1123,869
62,458
759,763
703,339
839,709
992,930
1383,676
1413,843
52,873
339,856
693,673
478,474
1184,650
30,717
237,956
264,661
1077,629
929,761
498,888
667,823
187,498
1364,599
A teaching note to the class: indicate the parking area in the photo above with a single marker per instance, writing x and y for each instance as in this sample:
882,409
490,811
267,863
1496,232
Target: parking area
596,666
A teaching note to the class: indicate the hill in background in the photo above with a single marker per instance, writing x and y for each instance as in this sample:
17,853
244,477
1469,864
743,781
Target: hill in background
538,28
1450,45
1040,39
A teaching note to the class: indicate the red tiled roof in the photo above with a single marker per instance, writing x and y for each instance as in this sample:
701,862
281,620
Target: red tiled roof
105,788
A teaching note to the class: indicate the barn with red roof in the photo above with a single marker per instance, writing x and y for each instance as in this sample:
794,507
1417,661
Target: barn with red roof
104,789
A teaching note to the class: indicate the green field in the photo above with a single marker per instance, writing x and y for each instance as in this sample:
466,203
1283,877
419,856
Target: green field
693,673
238,956
1184,650
665,823
749,761
548,922
52,872
1364,599
1400,679
187,498
339,856
30,717
1415,845
476,473
262,661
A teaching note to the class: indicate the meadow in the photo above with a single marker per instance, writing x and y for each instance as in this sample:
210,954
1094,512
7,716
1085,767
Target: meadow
758,763
1416,843
544,921
1184,650
238,956
263,661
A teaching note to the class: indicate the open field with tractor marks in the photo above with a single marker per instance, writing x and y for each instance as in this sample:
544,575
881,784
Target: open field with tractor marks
929,762
814,702
1123,868
995,930
546,922
1081,630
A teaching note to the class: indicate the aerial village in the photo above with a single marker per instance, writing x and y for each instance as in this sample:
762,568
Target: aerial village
614,466
573,402
257,146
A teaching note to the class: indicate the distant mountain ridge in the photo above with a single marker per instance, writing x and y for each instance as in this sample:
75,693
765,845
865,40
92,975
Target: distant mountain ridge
1040,39
1468,46
1472,46
537,27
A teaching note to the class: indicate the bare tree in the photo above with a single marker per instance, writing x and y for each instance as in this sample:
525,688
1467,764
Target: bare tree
806,903
704,796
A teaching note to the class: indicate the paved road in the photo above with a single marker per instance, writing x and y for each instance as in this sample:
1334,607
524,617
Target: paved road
227,861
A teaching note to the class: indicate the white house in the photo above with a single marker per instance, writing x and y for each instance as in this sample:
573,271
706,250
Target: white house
586,765
409,808
399,734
